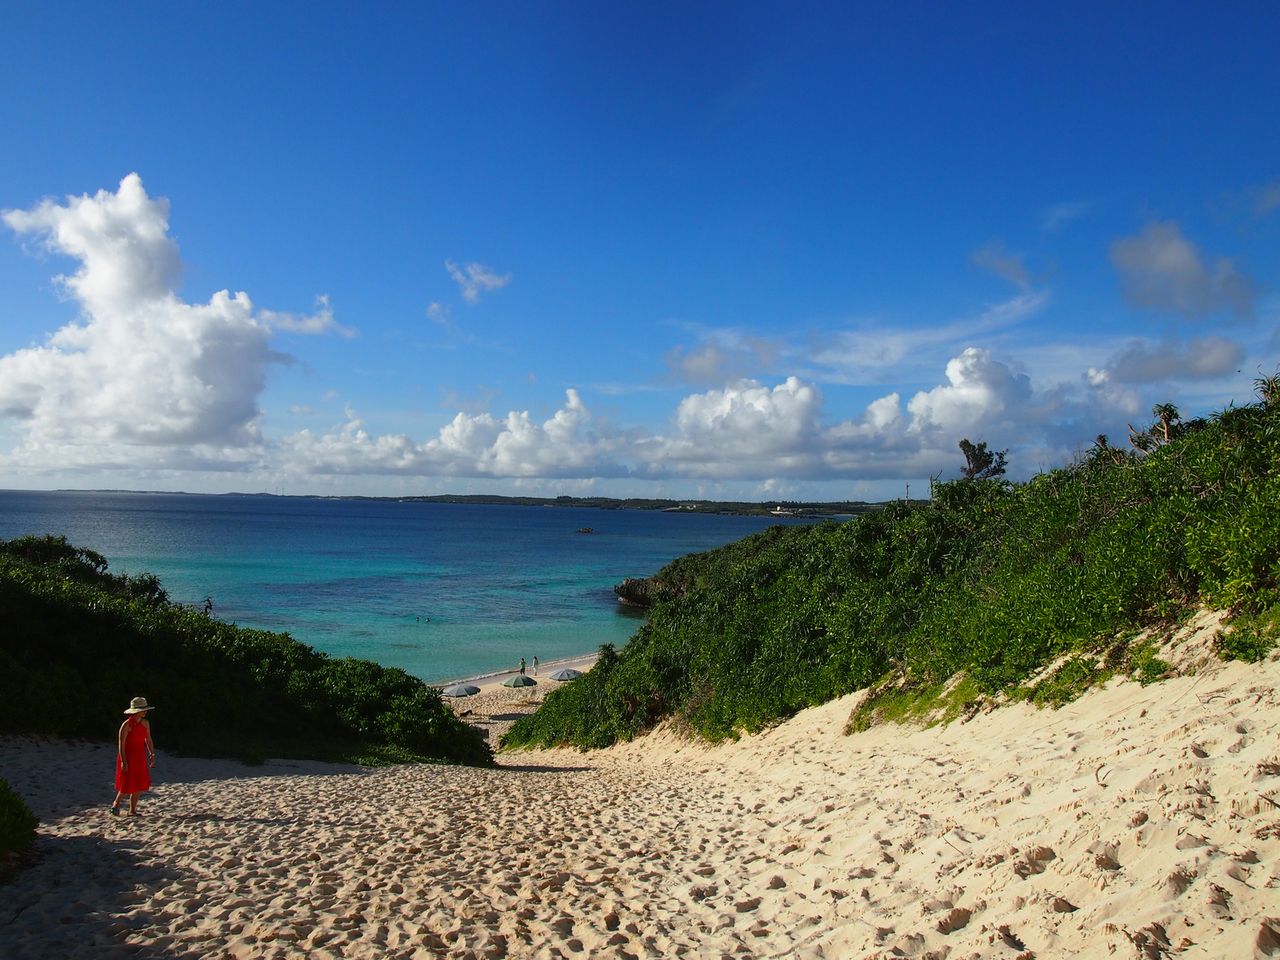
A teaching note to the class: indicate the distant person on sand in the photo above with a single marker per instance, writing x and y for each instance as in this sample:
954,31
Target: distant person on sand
135,755
535,666
522,666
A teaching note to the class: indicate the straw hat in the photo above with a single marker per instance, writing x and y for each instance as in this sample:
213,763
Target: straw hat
138,705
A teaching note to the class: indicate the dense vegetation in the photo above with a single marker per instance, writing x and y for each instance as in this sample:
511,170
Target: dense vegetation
992,580
79,642
17,826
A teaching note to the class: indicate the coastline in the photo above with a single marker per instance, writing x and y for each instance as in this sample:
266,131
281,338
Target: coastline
544,667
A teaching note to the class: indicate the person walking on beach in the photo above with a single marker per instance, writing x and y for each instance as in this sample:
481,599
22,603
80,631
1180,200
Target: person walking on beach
522,666
135,755
535,665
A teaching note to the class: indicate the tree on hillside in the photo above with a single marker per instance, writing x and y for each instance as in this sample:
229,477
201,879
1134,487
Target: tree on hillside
1167,416
1102,450
981,463
1168,426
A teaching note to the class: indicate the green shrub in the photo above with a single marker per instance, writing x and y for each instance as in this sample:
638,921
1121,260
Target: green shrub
1251,637
1145,665
17,823
1068,682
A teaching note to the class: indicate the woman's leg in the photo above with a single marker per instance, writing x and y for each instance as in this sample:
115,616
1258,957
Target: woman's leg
115,804
133,804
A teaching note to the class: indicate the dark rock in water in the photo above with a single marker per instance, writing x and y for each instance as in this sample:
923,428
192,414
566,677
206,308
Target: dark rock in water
637,592
585,530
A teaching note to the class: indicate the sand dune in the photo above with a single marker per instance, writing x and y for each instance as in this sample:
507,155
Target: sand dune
1137,822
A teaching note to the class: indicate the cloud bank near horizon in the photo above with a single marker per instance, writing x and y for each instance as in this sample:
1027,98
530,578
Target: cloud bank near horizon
146,381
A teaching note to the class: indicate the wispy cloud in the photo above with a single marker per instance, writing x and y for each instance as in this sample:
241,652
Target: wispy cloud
1162,270
319,322
722,355
1059,215
476,278
482,399
1198,358
1266,199
875,353
993,257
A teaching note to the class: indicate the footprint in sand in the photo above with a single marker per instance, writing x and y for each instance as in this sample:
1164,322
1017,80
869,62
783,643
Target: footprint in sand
1033,862
956,919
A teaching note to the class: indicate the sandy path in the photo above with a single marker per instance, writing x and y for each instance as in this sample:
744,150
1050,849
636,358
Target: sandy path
1138,822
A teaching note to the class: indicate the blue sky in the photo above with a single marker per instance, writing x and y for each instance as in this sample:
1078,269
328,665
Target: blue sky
730,250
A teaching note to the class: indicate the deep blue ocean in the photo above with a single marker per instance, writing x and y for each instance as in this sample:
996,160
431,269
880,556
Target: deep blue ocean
441,590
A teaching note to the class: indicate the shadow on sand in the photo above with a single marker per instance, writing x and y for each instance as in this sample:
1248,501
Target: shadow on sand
81,894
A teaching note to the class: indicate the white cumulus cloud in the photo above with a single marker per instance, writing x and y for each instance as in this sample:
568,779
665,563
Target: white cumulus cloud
566,445
979,391
141,377
746,429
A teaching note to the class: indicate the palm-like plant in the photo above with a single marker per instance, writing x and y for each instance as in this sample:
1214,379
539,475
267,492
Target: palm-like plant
1168,416
1168,426
1268,389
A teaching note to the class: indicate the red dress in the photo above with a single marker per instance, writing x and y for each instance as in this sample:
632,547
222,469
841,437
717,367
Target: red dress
138,777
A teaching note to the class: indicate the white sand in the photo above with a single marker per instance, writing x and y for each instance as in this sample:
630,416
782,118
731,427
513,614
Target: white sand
1138,822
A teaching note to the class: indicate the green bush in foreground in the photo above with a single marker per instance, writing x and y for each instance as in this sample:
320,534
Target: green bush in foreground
79,642
17,823
991,578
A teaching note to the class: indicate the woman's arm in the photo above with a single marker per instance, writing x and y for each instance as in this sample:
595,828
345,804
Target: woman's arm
124,759
151,747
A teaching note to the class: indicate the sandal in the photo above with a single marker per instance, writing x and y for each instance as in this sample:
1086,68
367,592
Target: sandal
114,809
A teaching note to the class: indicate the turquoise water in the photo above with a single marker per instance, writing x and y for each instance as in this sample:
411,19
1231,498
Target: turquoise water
440,590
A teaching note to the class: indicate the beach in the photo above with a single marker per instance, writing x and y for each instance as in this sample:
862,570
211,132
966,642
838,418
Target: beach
496,707
1138,821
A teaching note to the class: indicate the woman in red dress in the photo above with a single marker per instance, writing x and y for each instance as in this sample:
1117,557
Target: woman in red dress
135,754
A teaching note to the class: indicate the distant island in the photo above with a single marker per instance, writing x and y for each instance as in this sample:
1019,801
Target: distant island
769,508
